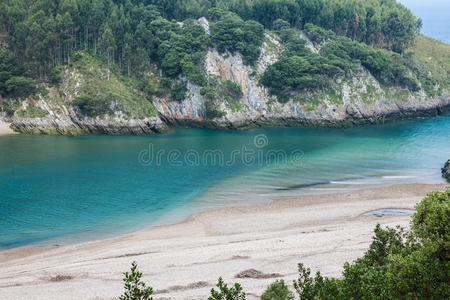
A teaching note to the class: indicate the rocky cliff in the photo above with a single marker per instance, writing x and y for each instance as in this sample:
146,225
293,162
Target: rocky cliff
360,99
356,99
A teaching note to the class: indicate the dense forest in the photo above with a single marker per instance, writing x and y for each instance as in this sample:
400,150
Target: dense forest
38,37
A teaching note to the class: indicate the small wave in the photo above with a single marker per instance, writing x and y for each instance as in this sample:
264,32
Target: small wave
398,177
302,186
332,189
348,182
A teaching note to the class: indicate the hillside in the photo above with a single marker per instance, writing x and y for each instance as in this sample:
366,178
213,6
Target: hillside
135,72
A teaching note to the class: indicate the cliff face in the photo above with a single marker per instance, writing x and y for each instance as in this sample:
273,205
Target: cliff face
51,111
357,99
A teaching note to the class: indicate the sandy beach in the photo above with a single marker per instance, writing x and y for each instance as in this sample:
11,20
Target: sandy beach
4,129
184,260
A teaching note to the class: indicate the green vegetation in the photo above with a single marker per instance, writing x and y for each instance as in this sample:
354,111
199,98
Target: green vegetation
178,91
13,83
152,48
98,95
135,288
398,265
299,69
225,293
211,110
278,291
430,60
32,112
92,106
386,23
233,34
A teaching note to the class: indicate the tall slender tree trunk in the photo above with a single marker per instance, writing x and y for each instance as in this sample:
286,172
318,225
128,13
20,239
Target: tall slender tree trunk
95,43
108,63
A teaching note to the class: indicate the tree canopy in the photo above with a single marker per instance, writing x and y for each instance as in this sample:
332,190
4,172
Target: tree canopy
132,36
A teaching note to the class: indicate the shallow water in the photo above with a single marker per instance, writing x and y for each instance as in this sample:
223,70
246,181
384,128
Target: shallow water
56,190
390,211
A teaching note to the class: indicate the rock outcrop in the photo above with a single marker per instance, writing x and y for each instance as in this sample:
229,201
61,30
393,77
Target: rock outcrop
446,171
362,100
357,99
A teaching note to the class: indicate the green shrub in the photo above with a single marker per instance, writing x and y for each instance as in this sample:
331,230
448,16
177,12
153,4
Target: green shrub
280,24
432,219
226,293
32,112
76,56
55,77
398,264
278,291
19,86
9,105
42,90
232,89
178,91
135,288
235,35
317,34
299,69
208,92
212,112
92,107
181,50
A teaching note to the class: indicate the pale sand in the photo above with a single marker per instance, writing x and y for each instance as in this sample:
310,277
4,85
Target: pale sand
4,129
322,231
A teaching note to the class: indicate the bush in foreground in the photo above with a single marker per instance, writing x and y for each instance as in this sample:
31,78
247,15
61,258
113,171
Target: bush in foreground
135,289
278,291
226,293
398,265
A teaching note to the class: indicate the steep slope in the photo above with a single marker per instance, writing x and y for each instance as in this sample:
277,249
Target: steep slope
355,100
92,99
124,110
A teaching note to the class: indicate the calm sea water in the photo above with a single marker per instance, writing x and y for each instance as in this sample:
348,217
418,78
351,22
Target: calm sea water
56,190
435,15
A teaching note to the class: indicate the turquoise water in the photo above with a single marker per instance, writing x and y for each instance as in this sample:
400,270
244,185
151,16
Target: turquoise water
56,190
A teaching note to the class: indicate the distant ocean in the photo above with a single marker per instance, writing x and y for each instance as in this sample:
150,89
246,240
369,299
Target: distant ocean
435,15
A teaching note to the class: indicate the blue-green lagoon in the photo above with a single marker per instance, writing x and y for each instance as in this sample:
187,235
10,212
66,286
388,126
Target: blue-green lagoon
57,190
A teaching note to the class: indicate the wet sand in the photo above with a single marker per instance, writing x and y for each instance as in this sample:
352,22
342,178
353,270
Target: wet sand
184,260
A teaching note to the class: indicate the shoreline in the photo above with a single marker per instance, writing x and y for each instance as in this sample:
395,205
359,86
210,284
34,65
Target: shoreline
184,260
5,129
49,127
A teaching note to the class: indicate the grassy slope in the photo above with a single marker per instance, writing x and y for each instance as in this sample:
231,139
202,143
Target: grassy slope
88,76
434,56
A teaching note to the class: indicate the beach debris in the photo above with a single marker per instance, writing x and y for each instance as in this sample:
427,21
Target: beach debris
60,277
240,257
191,286
252,273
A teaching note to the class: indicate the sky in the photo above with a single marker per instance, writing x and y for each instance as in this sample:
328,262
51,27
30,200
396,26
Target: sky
435,15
